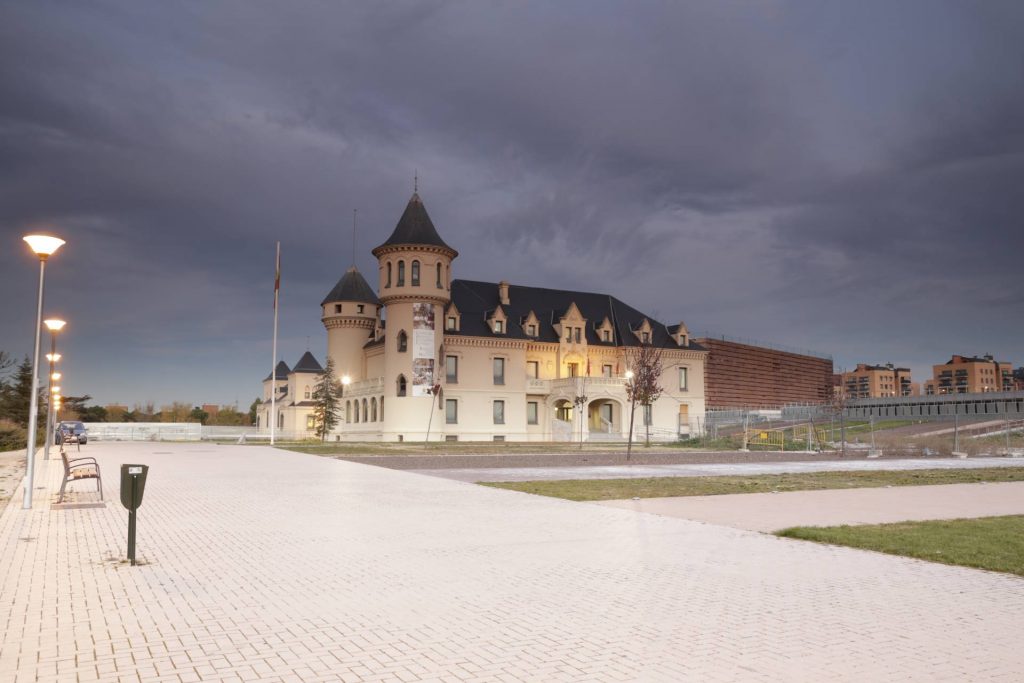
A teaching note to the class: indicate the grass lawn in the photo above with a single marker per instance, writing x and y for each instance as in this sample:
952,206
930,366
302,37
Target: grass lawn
662,487
995,543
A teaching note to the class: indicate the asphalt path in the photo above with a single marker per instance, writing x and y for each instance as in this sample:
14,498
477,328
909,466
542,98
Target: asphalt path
708,469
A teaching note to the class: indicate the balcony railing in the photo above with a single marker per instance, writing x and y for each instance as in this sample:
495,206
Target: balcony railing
546,386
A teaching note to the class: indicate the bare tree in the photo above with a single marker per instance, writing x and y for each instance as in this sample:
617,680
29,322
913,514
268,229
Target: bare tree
835,406
642,385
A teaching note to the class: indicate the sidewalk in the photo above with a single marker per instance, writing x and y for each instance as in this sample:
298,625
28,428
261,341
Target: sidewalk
265,565
774,511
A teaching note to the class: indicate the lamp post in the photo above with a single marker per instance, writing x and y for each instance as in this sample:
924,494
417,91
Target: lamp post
345,381
632,411
44,246
54,325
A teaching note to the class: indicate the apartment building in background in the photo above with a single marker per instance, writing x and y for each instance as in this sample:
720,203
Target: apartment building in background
970,375
877,381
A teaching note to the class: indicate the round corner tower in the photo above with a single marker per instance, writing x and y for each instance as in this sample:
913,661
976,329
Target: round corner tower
415,287
350,314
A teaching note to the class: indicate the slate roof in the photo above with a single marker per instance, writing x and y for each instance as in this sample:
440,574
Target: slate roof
352,287
477,300
281,372
307,364
415,227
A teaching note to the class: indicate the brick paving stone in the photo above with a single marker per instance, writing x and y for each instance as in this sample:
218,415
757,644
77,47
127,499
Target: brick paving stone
266,565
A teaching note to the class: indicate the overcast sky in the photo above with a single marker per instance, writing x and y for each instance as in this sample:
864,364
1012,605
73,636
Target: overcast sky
843,177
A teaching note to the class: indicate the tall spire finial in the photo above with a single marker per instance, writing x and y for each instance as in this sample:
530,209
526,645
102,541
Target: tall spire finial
416,180
354,212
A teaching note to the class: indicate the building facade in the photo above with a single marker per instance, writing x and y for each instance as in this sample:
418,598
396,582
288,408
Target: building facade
749,375
970,375
427,356
878,381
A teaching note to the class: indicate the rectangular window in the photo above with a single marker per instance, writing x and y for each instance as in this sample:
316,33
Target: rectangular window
451,369
606,370
337,308
451,411
531,412
646,337
359,308
606,335
499,370
499,327
683,372
574,369
647,415
499,412
576,333
533,369
532,330
451,322
568,335
310,422
499,437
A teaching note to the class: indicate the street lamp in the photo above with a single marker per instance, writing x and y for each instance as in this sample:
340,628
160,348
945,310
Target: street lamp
43,246
55,325
632,411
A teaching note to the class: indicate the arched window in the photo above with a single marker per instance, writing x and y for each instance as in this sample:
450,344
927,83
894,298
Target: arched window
401,385
387,282
415,275
373,409
356,411
439,284
348,411
401,273
280,421
366,413
381,408
403,341
448,277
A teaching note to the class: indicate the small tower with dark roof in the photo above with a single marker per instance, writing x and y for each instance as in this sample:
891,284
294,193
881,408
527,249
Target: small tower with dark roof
350,313
415,287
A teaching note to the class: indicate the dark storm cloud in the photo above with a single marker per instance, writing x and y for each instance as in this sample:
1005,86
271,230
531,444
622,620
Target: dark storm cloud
804,173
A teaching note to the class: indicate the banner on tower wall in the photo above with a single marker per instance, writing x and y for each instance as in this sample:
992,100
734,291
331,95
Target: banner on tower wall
422,349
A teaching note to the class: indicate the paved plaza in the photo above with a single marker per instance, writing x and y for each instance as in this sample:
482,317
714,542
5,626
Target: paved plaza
267,565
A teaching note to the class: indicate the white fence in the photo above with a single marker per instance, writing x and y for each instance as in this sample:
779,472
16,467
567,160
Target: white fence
163,431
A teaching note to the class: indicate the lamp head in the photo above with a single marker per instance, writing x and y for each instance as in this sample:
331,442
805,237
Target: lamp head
346,380
43,245
629,374
55,375
54,324
53,357
55,389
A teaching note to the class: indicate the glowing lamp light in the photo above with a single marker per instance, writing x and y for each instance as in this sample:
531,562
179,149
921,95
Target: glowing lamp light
346,380
43,245
53,357
55,389
55,375
54,324
629,374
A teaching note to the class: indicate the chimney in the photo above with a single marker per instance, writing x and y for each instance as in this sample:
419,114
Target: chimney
503,292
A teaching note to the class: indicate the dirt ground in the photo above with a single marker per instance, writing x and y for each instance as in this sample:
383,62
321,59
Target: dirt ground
12,471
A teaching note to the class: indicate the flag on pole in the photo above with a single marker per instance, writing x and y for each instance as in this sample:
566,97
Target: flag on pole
277,275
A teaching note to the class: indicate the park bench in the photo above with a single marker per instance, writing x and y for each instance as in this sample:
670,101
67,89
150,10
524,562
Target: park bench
76,469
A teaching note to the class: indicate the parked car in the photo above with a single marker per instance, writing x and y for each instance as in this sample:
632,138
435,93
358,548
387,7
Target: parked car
73,429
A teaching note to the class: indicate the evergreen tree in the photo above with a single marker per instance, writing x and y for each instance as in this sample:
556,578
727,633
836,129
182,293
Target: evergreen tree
327,400
253,407
15,396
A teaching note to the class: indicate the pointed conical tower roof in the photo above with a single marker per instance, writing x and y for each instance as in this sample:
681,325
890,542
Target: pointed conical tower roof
280,372
352,287
415,227
307,364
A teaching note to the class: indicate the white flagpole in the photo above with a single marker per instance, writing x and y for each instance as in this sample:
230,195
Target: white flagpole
273,364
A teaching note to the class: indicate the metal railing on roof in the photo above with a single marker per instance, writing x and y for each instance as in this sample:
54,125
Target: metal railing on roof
766,345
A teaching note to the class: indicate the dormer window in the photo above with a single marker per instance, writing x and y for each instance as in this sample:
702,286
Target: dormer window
531,330
577,332
415,274
606,335
499,327
450,326
645,337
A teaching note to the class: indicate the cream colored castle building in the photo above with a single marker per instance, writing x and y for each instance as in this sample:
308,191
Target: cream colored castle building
427,356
